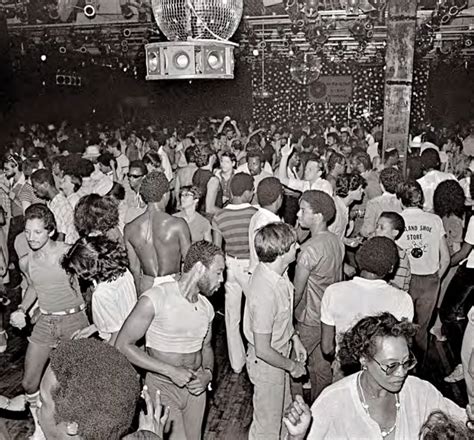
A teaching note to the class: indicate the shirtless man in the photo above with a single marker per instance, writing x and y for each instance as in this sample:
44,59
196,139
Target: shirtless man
156,241
175,318
61,307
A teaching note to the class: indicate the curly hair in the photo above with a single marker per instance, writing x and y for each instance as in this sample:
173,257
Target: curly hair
440,426
95,258
349,182
94,213
378,255
361,340
268,191
449,199
154,186
391,178
97,388
320,203
201,251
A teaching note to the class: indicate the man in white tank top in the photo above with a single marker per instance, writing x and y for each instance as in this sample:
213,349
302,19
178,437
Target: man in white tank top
175,318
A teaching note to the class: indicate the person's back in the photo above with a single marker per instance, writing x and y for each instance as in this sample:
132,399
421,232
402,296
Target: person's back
155,238
323,256
156,241
347,302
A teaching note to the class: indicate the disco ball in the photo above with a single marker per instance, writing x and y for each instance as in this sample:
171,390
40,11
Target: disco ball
197,19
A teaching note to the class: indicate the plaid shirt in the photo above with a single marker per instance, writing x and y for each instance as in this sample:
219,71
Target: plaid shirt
64,216
402,276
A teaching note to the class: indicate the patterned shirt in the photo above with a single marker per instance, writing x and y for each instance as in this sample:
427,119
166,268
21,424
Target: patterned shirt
401,278
233,224
64,216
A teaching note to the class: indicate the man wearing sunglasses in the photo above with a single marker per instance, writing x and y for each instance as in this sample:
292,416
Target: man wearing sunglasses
156,241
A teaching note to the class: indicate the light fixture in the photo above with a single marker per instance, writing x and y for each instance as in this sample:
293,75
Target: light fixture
43,58
255,52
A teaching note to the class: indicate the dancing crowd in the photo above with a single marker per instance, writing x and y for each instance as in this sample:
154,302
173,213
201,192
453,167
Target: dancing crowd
339,264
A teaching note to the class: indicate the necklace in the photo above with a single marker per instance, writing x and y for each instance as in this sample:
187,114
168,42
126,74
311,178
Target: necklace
365,405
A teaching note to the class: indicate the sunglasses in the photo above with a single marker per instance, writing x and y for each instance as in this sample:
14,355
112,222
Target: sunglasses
135,176
392,368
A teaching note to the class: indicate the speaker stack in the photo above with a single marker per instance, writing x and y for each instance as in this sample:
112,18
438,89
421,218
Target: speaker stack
190,60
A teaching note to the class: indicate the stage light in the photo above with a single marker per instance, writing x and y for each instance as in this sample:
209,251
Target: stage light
255,52
43,58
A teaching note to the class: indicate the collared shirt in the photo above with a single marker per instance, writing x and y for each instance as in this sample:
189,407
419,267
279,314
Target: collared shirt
429,182
232,223
269,307
260,219
304,185
375,207
64,216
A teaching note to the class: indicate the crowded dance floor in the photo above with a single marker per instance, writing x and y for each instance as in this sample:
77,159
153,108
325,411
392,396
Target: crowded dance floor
236,219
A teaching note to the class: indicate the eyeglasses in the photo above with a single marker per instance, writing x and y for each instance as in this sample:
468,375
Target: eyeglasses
392,368
187,194
135,176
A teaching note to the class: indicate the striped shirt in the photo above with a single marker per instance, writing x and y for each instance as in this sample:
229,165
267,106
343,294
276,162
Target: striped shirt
233,224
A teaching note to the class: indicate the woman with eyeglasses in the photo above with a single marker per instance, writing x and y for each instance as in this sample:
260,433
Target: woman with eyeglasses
381,401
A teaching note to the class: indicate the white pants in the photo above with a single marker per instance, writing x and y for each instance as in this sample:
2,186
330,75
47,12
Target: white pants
236,283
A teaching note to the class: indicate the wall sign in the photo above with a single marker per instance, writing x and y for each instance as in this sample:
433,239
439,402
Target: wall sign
333,89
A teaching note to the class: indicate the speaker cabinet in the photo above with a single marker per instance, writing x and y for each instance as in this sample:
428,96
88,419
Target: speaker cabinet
190,60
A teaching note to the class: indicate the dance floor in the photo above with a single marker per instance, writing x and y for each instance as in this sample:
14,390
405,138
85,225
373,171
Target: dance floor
230,403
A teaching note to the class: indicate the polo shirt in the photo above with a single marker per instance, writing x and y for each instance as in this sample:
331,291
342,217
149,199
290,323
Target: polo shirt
269,307
233,223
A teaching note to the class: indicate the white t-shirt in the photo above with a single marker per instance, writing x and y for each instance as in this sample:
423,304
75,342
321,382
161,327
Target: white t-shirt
260,219
338,413
428,184
122,167
421,240
469,238
112,302
304,185
347,302
340,222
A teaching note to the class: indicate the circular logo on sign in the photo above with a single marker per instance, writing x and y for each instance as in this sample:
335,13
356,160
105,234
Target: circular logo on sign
318,90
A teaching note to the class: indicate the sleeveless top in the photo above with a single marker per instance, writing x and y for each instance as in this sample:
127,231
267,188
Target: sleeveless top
178,326
52,285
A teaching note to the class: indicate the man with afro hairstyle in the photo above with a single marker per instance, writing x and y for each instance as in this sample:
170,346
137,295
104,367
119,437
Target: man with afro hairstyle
175,318
319,264
88,392
346,302
156,241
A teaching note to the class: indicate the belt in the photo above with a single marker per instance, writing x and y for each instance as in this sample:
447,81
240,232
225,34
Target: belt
65,312
237,258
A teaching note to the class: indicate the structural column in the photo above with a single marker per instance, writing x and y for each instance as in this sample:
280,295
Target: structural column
401,26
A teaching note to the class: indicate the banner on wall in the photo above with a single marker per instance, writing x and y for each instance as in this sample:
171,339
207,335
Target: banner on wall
333,89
